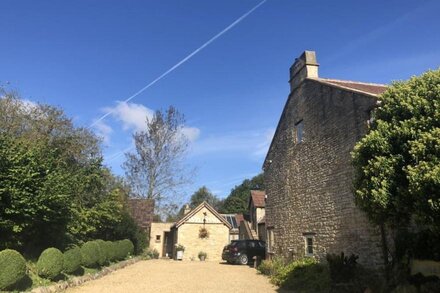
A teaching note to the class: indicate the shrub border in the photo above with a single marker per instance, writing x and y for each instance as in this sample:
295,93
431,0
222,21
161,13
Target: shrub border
77,281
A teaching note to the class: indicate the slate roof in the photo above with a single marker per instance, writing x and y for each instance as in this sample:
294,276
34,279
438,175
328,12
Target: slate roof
142,211
363,87
258,198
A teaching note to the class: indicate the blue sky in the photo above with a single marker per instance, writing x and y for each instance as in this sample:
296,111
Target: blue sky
89,56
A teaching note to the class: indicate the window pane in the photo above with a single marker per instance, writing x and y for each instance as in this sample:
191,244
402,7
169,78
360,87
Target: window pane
299,131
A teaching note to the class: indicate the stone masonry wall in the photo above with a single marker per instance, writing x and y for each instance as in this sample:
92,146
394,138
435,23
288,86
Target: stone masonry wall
188,236
309,185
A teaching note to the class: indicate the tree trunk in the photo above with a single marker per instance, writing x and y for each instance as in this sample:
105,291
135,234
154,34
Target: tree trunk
386,262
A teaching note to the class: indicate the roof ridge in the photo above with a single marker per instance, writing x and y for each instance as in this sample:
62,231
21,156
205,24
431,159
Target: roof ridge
350,81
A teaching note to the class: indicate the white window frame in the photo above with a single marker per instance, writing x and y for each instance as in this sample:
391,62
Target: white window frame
306,245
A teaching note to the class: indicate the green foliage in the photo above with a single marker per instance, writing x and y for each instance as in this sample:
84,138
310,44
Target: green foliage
50,263
237,201
55,190
121,250
12,268
90,254
398,162
419,245
304,275
102,253
151,254
342,268
72,260
128,229
271,267
203,194
128,247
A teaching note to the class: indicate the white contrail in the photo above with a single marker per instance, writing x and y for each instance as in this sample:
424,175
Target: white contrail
184,59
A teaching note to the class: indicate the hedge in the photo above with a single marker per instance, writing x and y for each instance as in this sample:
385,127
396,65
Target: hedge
50,263
12,268
128,247
90,254
72,260
102,255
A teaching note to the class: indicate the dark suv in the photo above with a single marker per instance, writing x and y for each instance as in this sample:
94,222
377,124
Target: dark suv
243,251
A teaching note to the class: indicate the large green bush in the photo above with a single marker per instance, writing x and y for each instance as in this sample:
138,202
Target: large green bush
50,263
72,260
342,268
304,275
128,247
102,254
12,268
270,267
90,254
121,250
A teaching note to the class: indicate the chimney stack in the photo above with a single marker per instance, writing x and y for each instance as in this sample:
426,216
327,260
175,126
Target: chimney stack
186,210
305,66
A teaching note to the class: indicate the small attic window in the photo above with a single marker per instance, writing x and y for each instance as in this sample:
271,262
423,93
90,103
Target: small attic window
299,131
157,238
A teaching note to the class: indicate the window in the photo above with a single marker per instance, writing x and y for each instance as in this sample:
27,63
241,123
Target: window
157,238
270,238
299,130
309,245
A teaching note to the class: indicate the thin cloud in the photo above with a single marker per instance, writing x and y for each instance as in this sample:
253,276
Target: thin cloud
181,62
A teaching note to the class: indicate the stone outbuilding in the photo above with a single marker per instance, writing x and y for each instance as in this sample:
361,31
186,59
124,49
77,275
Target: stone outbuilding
253,225
201,229
310,207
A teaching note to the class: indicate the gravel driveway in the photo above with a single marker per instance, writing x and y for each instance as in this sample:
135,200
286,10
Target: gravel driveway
180,276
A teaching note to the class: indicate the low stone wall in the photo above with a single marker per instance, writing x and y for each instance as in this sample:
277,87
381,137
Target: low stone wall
76,281
425,267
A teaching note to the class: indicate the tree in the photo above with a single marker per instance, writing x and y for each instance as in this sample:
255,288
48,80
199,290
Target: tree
155,170
397,163
203,194
54,190
237,201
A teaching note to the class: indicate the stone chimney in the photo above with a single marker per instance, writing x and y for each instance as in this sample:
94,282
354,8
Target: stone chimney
186,210
304,66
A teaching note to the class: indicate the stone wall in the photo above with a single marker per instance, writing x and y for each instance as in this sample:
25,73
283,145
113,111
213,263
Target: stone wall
188,236
159,229
309,184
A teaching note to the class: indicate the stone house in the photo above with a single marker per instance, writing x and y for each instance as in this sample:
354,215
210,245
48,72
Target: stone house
310,208
253,226
187,232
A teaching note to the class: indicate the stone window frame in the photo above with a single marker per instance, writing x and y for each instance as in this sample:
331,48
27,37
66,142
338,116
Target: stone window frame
158,238
299,131
270,239
309,236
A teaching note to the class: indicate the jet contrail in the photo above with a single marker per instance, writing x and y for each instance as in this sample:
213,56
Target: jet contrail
184,60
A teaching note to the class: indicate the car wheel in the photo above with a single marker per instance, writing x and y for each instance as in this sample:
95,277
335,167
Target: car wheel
243,260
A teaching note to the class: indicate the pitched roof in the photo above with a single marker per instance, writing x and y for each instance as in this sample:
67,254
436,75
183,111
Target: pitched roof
142,211
194,211
363,87
258,198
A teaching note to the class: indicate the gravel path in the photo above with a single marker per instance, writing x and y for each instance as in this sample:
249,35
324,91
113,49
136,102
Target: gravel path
179,276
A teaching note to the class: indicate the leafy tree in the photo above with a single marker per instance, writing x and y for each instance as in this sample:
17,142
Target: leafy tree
237,201
203,194
155,170
398,162
54,190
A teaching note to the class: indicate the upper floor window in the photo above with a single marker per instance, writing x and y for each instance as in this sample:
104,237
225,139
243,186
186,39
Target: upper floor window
157,238
299,131
309,245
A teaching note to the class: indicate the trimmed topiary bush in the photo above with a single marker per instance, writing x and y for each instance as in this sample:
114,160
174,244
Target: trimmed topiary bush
50,263
102,257
90,254
113,250
107,247
128,247
12,268
120,250
72,260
